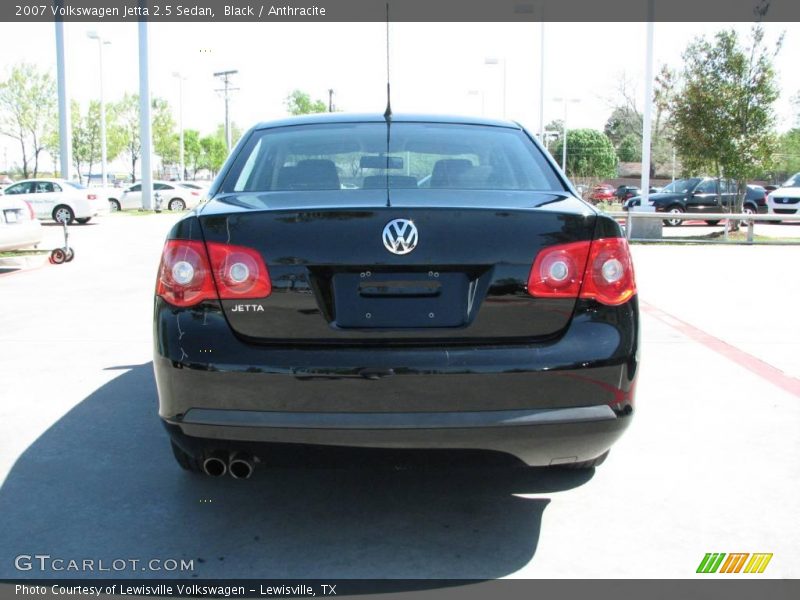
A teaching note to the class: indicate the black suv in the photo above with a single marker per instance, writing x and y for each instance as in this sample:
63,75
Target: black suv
702,195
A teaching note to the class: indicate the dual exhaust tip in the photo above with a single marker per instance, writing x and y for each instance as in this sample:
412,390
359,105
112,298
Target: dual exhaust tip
238,464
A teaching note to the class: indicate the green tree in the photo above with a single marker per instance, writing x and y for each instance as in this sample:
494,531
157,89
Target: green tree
236,133
626,122
589,154
787,159
165,143
723,115
192,151
300,103
213,154
630,149
28,112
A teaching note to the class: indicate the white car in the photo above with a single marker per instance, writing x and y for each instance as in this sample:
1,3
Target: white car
59,200
19,227
174,196
786,199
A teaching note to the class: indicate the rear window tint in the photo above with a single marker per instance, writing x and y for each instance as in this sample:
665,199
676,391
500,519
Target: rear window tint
357,156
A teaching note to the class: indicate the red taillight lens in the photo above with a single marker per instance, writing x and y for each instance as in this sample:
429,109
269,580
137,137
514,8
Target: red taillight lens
31,214
609,275
184,277
601,270
189,274
558,270
195,193
239,272
91,196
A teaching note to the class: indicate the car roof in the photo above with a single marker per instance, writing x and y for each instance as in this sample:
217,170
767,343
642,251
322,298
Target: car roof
327,118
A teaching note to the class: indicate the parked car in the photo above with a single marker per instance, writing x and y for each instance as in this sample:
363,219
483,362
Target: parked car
19,227
174,196
701,195
602,193
786,199
626,192
493,311
59,200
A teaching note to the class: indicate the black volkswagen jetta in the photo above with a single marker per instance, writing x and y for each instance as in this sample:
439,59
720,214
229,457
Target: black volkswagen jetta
406,282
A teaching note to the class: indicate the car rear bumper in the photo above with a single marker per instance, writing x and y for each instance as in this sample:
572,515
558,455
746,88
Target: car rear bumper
550,402
536,438
20,235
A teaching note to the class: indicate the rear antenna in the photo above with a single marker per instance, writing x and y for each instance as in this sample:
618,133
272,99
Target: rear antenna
388,113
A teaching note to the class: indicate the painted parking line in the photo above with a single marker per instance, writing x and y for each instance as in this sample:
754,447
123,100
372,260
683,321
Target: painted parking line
740,357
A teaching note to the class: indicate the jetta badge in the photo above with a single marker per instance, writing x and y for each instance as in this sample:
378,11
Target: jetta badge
400,236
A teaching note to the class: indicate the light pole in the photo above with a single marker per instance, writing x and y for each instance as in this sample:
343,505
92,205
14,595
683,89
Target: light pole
181,79
566,102
496,61
103,151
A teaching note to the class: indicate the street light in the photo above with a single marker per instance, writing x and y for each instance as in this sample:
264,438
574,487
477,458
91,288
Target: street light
93,35
181,79
496,61
566,101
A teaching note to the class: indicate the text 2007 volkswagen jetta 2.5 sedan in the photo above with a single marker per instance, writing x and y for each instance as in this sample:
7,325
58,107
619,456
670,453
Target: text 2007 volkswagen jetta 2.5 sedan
406,282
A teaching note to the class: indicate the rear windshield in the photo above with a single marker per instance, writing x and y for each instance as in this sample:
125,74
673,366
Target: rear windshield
358,156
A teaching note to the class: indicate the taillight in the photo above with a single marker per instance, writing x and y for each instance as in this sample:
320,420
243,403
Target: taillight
91,196
239,272
31,214
601,270
189,274
195,193
558,270
609,275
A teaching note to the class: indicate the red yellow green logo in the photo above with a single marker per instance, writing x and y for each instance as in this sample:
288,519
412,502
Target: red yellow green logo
737,562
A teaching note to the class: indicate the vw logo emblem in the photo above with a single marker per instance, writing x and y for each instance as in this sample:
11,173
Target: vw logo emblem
400,236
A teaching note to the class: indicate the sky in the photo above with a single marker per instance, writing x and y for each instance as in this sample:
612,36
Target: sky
435,67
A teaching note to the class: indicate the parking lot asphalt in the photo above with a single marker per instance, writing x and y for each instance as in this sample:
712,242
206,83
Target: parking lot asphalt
710,463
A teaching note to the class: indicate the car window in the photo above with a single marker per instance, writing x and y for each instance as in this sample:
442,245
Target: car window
19,188
76,185
162,186
43,187
358,156
707,187
135,188
681,186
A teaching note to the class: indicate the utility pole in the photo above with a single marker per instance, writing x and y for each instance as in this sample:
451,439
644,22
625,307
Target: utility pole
330,100
225,76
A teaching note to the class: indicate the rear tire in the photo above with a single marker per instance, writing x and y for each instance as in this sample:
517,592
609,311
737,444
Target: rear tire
114,206
748,210
177,204
675,210
63,214
186,461
588,464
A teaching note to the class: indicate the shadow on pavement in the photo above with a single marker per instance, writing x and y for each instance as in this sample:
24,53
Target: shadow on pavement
101,484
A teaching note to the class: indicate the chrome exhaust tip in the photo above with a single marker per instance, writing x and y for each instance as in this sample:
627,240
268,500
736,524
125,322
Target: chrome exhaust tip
241,466
214,465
